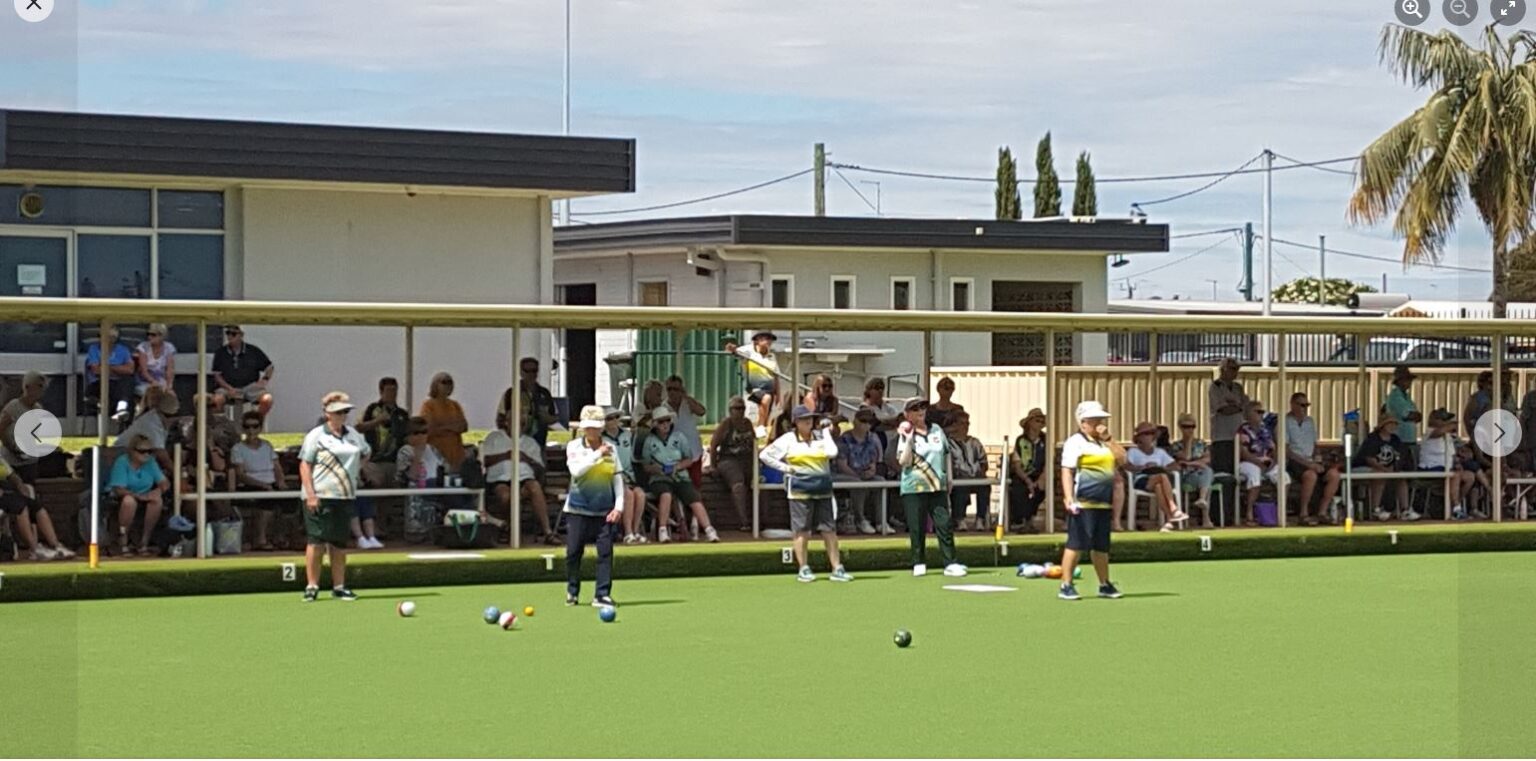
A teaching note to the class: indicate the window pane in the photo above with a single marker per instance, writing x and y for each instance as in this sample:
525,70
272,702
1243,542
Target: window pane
653,294
780,295
961,299
191,267
114,207
192,209
901,295
113,266
33,267
842,296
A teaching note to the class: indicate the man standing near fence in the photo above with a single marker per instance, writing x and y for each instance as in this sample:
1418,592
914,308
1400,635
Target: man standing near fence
1227,403
1401,406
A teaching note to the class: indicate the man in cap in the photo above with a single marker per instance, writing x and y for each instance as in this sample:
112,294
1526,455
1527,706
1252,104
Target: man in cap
242,371
761,369
1302,463
594,508
1093,493
1437,453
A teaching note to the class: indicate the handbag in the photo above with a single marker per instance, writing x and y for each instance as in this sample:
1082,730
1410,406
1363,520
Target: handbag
420,519
228,535
462,530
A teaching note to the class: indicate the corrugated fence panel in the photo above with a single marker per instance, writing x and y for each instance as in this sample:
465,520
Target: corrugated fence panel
998,397
711,376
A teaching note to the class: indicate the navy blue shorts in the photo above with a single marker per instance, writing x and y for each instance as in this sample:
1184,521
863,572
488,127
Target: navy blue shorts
1089,530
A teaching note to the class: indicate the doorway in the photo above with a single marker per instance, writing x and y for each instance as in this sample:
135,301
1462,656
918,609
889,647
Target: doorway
580,350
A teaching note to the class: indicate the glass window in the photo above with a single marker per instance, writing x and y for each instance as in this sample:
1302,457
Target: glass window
901,294
33,266
99,207
782,295
653,294
842,293
112,266
191,267
960,295
191,209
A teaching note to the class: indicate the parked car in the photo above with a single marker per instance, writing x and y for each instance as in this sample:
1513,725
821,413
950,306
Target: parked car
1415,351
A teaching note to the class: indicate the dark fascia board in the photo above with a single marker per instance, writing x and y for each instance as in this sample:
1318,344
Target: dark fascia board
178,147
769,231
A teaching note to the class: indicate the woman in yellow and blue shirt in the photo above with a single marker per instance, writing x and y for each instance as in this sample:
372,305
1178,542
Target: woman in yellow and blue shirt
1089,468
594,507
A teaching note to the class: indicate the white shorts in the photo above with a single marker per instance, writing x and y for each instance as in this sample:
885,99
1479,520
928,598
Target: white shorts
1249,474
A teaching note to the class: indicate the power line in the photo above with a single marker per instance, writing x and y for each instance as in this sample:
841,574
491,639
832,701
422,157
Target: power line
1179,260
856,192
1099,180
1202,188
1299,162
1205,233
1369,257
717,196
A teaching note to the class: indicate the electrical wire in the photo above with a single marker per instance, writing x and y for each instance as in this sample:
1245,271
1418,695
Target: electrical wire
716,196
1299,162
1099,180
1370,257
1205,233
1179,260
856,192
1202,188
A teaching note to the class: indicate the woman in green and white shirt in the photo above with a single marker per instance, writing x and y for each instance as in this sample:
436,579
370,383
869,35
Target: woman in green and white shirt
923,453
329,463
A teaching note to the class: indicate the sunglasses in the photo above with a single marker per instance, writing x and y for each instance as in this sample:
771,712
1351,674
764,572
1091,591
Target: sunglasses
256,427
743,409
1187,426
152,335
417,433
145,451
234,332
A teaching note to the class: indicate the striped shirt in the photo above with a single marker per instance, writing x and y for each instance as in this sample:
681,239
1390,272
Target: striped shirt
1093,471
808,463
595,480
762,370
334,460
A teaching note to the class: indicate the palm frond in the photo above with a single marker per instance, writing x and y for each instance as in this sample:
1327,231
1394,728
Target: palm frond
1427,60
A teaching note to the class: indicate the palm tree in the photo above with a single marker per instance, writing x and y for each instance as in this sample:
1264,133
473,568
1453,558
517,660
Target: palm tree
1476,135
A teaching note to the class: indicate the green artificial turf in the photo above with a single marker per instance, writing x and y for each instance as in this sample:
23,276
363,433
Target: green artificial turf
1413,655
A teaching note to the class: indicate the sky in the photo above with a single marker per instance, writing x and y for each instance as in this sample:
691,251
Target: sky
722,94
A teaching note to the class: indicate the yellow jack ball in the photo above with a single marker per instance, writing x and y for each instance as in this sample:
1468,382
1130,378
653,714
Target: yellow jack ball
528,611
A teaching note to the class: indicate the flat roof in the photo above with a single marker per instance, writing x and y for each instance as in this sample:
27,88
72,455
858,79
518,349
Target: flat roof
780,231
158,146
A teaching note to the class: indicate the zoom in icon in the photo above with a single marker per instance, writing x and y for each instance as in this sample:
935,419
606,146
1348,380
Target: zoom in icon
1411,12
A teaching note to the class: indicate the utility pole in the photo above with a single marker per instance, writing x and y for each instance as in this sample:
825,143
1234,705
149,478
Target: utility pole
565,114
1213,283
1322,268
1269,240
821,179
1247,286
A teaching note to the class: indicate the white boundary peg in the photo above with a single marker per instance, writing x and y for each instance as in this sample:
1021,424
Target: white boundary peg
1393,534
787,555
1205,543
549,562
290,572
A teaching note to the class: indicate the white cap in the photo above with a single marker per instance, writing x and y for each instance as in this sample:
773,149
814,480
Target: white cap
1090,409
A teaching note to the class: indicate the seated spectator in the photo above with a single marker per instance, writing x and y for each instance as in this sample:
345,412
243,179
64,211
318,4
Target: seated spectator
419,464
136,482
1192,457
1256,447
730,456
256,469
223,433
154,426
623,443
1151,467
859,454
155,361
941,412
1383,452
821,399
1026,490
242,372
668,455
33,525
538,403
120,376
1437,454
970,462
446,423
33,384
496,452
687,411
1301,461
1469,460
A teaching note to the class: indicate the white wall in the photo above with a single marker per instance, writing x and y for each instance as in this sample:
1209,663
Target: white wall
353,246
813,272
